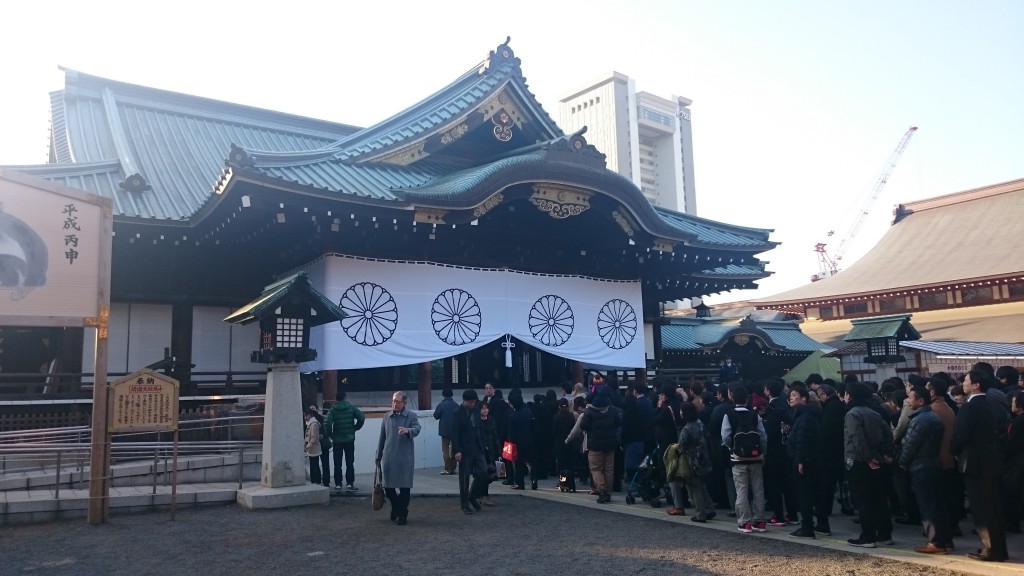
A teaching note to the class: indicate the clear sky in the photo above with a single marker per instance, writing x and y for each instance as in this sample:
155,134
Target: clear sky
797,105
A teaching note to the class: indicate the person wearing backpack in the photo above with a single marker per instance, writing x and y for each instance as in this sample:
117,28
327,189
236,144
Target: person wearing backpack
744,435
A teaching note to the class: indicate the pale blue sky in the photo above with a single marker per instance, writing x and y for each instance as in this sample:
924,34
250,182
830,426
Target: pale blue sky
797,104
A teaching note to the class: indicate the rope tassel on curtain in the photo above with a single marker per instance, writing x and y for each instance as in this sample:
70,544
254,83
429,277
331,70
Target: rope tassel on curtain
508,345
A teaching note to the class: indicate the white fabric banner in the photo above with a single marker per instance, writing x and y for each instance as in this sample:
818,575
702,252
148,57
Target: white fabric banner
410,312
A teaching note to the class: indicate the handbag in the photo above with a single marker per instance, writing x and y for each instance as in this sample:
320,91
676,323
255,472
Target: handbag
510,451
377,498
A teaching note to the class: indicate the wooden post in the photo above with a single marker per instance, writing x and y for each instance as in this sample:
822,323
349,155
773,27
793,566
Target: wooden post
174,477
641,375
329,378
426,377
99,463
577,372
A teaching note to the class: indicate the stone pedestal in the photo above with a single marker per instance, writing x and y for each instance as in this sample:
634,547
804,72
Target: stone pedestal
884,371
283,470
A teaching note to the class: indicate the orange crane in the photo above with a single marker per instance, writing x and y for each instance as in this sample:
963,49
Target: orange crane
828,265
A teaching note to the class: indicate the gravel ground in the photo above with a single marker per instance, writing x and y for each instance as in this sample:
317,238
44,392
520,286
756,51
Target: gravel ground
517,536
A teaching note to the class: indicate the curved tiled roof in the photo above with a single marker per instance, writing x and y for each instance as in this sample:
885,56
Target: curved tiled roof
733,271
175,142
161,156
710,233
446,106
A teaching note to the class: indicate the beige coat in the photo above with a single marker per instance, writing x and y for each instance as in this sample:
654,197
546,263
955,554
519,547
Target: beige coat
313,438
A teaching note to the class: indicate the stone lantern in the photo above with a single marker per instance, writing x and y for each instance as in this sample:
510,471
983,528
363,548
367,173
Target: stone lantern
286,310
882,336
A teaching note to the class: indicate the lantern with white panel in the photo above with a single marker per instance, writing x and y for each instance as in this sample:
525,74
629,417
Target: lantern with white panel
286,310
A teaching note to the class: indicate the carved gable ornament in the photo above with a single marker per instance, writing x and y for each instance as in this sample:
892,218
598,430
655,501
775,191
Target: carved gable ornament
560,201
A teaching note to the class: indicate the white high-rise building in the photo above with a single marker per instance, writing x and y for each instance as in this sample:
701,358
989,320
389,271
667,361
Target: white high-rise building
646,138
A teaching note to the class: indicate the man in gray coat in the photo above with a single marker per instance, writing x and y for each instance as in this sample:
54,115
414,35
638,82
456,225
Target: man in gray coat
396,455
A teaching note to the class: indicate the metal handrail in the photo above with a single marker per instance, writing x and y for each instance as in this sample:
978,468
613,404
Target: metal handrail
45,450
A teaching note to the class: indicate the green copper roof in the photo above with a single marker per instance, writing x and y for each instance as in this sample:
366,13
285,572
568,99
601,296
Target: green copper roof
695,334
292,289
898,327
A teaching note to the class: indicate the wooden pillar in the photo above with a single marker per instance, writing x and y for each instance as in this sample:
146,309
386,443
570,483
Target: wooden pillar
423,399
181,347
577,372
329,378
641,375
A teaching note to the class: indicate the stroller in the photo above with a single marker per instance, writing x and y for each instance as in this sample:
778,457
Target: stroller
648,482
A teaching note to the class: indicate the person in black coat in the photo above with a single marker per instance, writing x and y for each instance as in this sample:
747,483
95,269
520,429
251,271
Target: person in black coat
520,433
637,427
720,483
469,451
804,449
543,413
565,454
780,492
976,447
492,449
1013,456
833,412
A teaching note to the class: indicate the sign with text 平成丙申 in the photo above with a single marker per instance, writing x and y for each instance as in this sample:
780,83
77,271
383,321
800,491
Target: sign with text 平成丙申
54,252
144,401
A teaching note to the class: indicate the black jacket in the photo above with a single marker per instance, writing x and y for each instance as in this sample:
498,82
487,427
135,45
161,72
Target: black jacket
975,438
602,427
466,438
778,414
489,433
637,420
666,425
833,412
805,434
923,441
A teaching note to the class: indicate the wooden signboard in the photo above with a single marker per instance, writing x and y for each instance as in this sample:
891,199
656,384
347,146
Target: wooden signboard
55,258
144,401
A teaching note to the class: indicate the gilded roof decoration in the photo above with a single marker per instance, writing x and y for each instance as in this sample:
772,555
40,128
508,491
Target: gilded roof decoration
623,223
488,205
405,156
560,201
454,134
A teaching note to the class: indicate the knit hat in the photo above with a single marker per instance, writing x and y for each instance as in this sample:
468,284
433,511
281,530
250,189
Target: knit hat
602,397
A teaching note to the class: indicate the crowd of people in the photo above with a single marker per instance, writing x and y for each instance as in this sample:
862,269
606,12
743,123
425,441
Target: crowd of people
923,451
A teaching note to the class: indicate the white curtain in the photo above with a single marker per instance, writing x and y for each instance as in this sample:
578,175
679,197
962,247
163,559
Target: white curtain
410,312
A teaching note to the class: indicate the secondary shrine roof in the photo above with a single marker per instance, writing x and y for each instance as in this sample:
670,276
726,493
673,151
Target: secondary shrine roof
932,243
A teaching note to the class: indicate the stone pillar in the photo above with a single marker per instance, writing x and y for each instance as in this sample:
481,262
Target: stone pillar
283,463
283,467
884,371
423,399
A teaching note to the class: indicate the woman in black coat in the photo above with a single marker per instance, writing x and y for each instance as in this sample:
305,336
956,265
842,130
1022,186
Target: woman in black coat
520,433
565,454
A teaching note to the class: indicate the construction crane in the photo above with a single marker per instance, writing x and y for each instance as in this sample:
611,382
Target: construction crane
828,265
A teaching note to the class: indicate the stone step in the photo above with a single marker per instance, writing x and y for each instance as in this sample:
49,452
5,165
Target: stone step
35,506
191,469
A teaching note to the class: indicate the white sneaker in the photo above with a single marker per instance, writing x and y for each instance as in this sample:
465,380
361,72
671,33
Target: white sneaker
350,488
